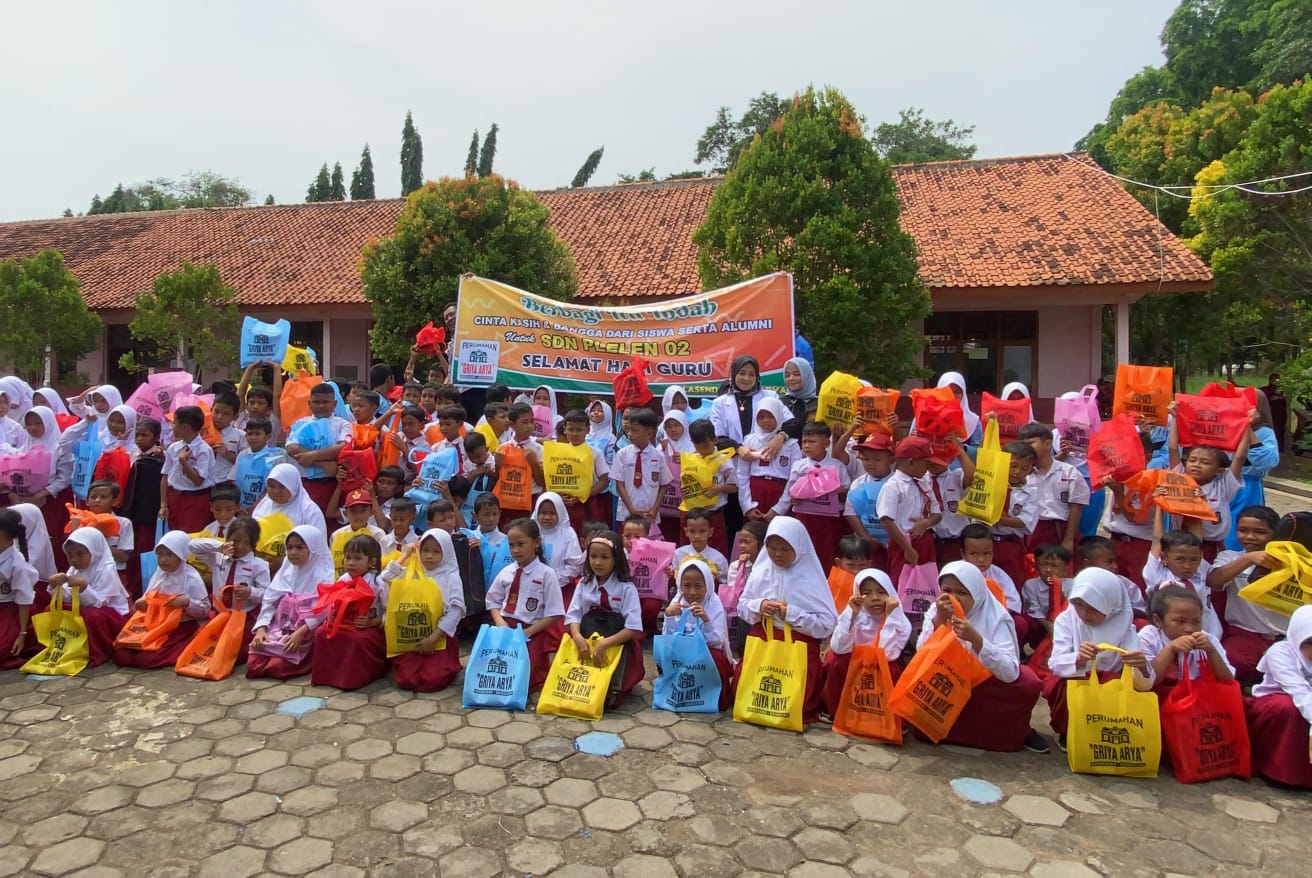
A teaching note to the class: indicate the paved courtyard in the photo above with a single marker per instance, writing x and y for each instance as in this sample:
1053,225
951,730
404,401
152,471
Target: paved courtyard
119,772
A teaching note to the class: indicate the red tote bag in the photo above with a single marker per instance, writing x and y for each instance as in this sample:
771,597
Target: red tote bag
1012,414
1205,729
1116,451
1218,421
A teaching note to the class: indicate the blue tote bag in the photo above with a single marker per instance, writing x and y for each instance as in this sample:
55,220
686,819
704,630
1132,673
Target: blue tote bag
86,454
263,342
147,559
689,681
498,671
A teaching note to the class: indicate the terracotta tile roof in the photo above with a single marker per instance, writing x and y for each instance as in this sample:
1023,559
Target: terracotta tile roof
1037,220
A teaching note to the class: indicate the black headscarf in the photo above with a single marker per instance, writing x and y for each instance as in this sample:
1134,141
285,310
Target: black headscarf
745,399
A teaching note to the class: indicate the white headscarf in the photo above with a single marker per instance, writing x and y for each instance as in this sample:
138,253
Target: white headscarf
604,430
1018,387
40,554
808,389
1102,590
107,439
291,579
110,394
448,569
1299,631
185,579
775,406
989,617
550,393
954,379
896,625
683,444
667,398
565,553
53,400
19,394
711,603
104,588
803,586
299,507
49,439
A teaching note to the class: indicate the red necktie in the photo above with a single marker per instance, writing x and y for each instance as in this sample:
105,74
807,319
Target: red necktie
925,507
605,599
460,458
637,470
938,494
512,597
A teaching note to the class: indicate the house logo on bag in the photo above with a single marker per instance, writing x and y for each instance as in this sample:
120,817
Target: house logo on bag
641,571
18,480
261,345
477,361
417,617
1211,734
578,675
686,680
772,685
941,684
1116,735
498,665
867,681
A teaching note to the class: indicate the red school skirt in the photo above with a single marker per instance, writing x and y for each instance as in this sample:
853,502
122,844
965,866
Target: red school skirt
278,668
9,630
766,492
925,551
1244,649
836,666
812,696
1049,531
164,657
1131,557
541,649
1279,737
427,673
997,717
1054,692
189,511
350,658
103,625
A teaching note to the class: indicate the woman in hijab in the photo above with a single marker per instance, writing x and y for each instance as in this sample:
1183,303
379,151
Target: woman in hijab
789,585
285,618
284,493
56,491
974,434
1280,710
436,662
178,579
1099,612
103,602
997,717
801,397
1263,456
734,412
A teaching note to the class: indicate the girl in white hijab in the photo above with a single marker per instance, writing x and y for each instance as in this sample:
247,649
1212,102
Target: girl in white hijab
44,432
958,383
99,400
872,611
19,394
601,430
1017,387
560,545
40,554
178,579
676,440
675,398
1281,708
103,600
11,420
761,482
50,398
284,493
309,562
436,662
997,717
114,430
713,621
788,585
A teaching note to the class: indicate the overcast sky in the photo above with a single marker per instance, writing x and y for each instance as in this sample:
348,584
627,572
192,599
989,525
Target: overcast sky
94,93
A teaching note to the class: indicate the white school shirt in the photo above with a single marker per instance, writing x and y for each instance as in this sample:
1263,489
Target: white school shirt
655,472
1285,675
1117,523
1036,596
905,500
234,441
528,445
202,460
799,469
453,595
17,578
715,628
539,592
1022,503
124,542
725,474
1057,489
623,597
950,486
1218,493
1152,640
1155,575
183,581
251,571
1241,613
718,563
778,468
389,543
892,639
1008,585
339,431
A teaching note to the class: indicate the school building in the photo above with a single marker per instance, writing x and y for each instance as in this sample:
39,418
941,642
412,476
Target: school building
1023,257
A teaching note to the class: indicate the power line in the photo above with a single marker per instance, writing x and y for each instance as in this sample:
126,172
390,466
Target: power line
1187,193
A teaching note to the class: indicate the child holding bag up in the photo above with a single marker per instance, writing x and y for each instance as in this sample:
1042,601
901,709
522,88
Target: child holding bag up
1219,477
436,662
696,592
606,603
1281,707
873,610
174,577
103,600
526,595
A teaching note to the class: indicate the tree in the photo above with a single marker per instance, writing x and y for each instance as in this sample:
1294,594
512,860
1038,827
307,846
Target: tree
913,138
42,315
471,160
68,212
485,225
588,169
685,175
647,175
188,316
412,157
322,187
362,179
337,187
724,138
96,204
268,200
811,196
487,155
194,189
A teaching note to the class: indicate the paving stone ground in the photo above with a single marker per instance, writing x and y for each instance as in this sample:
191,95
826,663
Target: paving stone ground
119,772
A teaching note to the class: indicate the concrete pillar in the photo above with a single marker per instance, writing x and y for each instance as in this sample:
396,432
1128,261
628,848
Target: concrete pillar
1122,331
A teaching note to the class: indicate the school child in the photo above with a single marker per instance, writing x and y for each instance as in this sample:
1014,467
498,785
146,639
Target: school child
40,552
789,585
1178,640
356,654
762,482
639,472
545,397
1060,489
1044,596
695,592
43,431
308,563
233,564
851,558
1100,552
948,476
18,579
907,509
258,437
495,424
635,526
997,716
436,661
359,510
733,413
560,544
408,440
1281,707
187,475
1020,513
674,441
141,499
449,432
389,487
1219,477
98,400
402,532
601,431
1098,613
750,542
318,465
606,603
46,397
527,595
482,474
875,454
979,547
114,429
101,497
1249,630
179,579
1176,558
222,413
873,610
284,492
225,504
699,533
522,427
724,484
443,515
822,516
103,601
576,434
260,403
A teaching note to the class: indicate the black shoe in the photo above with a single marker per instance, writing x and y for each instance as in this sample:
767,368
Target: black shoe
826,717
1061,743
1036,743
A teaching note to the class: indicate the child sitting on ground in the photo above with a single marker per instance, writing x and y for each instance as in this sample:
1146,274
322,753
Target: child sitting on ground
606,603
436,661
176,578
1281,707
873,614
696,593
1178,639
1250,630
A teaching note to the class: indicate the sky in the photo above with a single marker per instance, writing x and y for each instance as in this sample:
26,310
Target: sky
97,93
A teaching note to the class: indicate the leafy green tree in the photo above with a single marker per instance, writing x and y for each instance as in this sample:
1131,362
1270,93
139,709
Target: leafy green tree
362,178
194,189
268,200
337,187
471,160
588,169
322,187
189,316
647,175
412,157
724,139
42,315
810,196
913,138
487,155
685,175
485,225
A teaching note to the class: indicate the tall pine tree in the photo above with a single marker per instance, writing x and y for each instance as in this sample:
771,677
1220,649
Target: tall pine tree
488,153
322,187
337,188
362,180
589,168
471,160
412,157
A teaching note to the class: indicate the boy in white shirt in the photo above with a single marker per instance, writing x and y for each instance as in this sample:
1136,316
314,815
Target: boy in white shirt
949,485
1249,630
1019,514
188,474
101,497
697,527
222,414
1176,558
907,509
317,440
639,471
1062,492
823,515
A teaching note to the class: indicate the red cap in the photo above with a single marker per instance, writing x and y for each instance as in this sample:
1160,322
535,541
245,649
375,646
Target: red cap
358,497
877,442
913,448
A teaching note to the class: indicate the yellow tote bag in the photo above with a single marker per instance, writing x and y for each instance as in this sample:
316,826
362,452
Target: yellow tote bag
299,360
63,633
1113,729
697,475
772,681
1287,587
837,404
576,687
414,604
986,498
273,534
567,469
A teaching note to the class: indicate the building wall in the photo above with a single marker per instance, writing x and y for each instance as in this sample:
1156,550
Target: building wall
1069,350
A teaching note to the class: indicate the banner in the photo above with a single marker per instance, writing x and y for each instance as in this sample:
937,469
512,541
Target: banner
523,340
